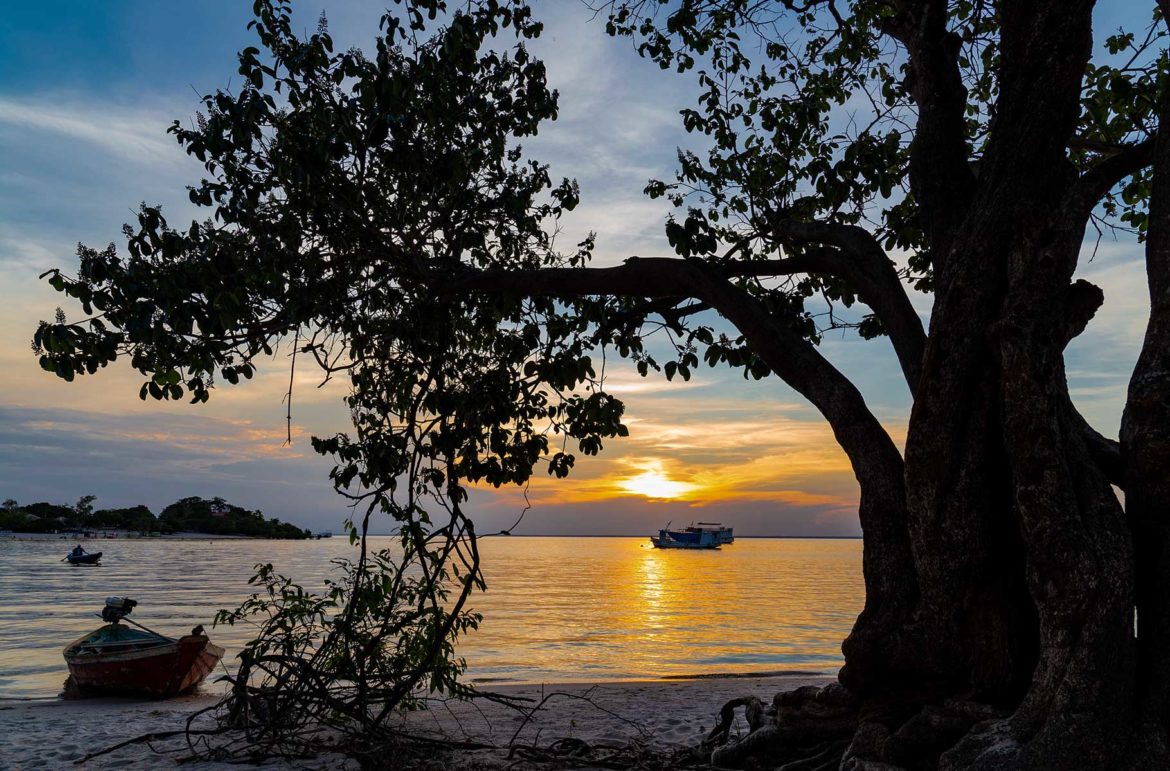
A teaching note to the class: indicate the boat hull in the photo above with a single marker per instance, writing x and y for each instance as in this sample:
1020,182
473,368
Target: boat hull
668,542
159,667
84,559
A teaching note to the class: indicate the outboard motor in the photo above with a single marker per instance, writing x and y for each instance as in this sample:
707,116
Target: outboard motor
117,608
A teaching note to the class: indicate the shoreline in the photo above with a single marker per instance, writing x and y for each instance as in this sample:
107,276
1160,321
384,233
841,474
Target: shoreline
131,536
123,535
663,713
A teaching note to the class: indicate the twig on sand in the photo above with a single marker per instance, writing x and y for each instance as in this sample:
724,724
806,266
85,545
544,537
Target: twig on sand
145,738
530,712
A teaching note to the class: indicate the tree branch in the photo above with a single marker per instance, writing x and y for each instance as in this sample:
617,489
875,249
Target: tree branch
940,174
788,354
1099,180
864,265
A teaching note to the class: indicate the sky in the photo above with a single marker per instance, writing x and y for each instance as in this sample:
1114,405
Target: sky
87,91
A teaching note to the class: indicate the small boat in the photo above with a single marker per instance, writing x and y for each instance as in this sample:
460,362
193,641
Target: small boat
324,534
88,558
682,539
118,659
705,535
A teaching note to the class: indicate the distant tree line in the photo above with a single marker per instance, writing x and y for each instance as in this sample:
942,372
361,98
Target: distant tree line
200,515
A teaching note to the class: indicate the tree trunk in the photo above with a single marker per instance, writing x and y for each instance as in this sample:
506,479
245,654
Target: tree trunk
1022,552
1145,447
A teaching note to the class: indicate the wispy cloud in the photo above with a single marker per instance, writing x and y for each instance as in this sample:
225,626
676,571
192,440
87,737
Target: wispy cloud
134,134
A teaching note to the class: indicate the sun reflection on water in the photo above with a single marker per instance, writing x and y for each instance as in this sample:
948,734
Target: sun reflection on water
556,609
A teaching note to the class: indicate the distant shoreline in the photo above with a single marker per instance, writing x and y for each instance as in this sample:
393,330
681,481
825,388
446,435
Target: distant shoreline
127,536
647,535
117,535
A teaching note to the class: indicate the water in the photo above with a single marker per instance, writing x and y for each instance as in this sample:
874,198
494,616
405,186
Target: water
556,609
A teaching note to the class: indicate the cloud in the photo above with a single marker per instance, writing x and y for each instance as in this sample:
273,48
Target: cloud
60,454
136,134
1101,360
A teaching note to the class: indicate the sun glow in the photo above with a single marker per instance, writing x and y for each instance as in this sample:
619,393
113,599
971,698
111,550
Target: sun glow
654,483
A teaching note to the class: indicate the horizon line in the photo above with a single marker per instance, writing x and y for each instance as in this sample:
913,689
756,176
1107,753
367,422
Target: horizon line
620,535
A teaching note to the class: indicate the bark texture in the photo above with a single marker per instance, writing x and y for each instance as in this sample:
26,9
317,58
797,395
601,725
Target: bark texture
1145,449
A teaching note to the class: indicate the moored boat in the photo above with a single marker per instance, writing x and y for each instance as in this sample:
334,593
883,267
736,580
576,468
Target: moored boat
722,534
118,659
682,539
704,535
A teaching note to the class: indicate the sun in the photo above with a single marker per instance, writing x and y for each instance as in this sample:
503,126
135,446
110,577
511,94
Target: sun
654,483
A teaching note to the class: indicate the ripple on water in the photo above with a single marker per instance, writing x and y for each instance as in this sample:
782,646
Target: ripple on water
556,609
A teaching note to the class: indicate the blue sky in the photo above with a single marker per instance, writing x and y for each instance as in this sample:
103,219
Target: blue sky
86,93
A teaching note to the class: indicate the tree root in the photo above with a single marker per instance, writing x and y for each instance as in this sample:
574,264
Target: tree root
806,730
821,728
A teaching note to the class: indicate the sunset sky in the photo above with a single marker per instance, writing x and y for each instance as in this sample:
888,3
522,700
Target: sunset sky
86,93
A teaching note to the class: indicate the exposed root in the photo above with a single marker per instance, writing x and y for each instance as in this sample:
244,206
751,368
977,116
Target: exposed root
805,730
722,730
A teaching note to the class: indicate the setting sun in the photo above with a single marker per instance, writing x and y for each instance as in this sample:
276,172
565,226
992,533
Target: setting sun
654,483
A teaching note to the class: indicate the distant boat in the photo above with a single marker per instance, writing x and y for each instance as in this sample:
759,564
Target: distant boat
722,534
83,559
118,659
324,534
704,535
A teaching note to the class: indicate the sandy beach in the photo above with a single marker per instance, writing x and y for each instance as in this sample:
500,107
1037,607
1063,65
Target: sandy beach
51,733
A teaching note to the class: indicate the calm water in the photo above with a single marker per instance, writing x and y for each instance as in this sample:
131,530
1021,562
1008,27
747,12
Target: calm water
556,609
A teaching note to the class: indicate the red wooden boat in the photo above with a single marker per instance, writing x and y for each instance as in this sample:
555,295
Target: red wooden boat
118,659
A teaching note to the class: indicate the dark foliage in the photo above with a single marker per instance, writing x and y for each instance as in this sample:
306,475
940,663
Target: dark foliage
217,516
214,517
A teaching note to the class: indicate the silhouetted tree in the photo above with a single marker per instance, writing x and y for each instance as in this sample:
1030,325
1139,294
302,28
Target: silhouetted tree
83,509
138,518
377,212
217,516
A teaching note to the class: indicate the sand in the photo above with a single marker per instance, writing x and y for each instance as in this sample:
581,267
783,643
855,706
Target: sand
664,714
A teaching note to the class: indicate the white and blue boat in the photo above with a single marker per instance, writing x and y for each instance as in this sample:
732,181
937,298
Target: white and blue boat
704,535
722,534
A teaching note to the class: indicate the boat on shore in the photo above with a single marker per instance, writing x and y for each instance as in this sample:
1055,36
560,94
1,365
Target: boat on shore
704,535
117,659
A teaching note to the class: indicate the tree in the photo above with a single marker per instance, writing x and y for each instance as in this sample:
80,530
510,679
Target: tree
49,516
138,518
220,517
83,509
378,213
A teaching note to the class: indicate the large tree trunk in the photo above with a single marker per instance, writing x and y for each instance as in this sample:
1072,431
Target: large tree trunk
1145,446
1023,555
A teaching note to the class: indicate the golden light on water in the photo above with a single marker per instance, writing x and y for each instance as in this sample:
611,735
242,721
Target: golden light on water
655,483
